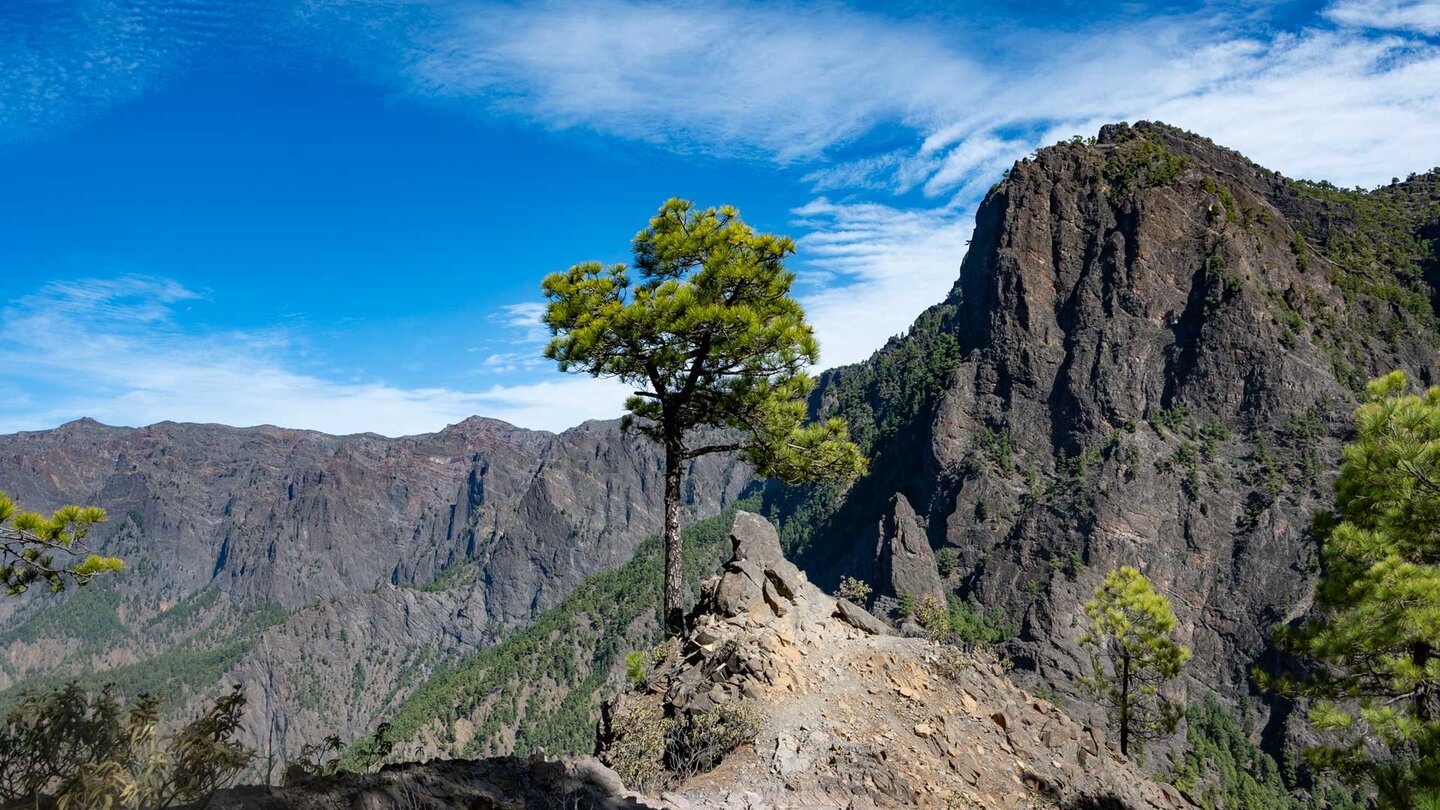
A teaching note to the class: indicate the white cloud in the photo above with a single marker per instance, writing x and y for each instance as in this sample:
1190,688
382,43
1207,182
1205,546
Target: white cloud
790,85
1421,16
525,322
785,82
112,350
62,62
888,264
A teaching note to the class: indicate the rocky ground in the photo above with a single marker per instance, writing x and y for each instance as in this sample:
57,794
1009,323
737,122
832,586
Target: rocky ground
852,716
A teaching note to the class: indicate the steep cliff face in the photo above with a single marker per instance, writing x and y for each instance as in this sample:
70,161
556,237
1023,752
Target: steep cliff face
285,517
1149,359
327,574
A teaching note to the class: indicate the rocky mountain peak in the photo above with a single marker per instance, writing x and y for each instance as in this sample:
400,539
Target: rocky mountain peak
1149,358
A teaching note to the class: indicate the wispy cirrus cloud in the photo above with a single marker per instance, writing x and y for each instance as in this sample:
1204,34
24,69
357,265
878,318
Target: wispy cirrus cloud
64,62
879,267
1420,16
740,80
113,349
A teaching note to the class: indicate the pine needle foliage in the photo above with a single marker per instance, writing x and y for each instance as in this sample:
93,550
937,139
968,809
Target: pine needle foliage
30,541
1133,656
707,333
1375,628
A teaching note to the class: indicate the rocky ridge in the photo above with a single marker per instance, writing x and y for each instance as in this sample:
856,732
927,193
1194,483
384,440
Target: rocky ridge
853,716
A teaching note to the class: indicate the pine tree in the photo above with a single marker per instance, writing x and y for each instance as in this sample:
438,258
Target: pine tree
29,543
710,338
1130,626
1375,627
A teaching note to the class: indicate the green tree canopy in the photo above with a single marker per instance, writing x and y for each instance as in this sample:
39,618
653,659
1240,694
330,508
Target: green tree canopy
706,332
29,543
1130,626
1376,620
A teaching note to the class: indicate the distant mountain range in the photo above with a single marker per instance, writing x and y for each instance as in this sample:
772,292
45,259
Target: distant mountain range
327,574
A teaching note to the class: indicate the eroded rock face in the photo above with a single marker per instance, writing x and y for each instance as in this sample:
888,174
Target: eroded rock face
852,716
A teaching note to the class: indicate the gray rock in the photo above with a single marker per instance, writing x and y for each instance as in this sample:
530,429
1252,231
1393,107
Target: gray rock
859,618
904,563
1100,329
788,579
738,592
755,539
778,603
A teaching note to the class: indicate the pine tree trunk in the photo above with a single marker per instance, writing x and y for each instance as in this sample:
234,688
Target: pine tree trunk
1125,706
1420,653
674,559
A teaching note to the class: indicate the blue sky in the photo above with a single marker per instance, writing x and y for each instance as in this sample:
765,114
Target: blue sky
335,215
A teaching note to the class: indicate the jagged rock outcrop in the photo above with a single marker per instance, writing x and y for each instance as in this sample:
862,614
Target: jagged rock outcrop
849,718
904,562
1149,358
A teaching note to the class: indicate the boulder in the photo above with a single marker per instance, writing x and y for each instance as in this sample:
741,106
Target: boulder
859,618
755,539
738,590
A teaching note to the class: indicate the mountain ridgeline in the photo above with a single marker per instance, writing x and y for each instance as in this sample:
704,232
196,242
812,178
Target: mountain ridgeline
1150,358
321,571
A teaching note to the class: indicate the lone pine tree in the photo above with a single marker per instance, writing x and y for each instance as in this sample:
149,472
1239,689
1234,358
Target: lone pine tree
1375,627
708,335
1130,626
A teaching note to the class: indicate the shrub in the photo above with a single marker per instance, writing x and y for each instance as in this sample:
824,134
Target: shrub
698,741
373,750
952,662
997,449
854,590
316,759
637,752
905,608
935,618
946,561
649,750
635,666
82,752
975,628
